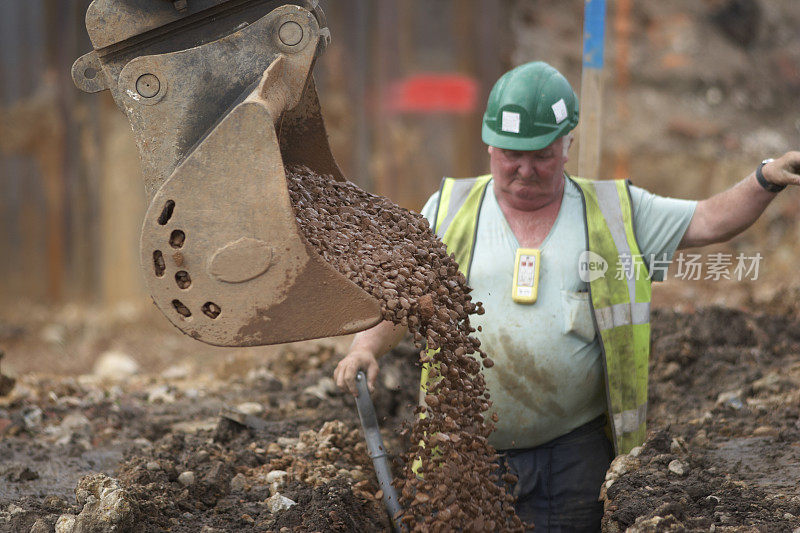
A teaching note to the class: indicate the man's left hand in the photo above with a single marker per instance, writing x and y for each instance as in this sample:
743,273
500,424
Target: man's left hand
783,171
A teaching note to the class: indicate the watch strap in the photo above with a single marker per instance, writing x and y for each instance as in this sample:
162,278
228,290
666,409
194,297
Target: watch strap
771,187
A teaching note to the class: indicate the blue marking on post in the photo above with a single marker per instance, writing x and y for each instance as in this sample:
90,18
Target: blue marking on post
594,29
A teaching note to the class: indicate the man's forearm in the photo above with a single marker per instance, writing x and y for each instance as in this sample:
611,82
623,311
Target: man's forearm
727,214
379,339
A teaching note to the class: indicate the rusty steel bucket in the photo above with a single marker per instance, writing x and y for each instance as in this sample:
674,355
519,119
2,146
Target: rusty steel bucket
220,96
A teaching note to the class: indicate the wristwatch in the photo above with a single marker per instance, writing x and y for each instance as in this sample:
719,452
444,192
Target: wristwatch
771,187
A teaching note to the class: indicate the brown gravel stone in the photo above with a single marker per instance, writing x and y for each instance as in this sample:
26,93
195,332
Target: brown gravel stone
392,254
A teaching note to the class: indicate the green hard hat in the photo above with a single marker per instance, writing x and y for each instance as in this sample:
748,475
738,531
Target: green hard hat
529,107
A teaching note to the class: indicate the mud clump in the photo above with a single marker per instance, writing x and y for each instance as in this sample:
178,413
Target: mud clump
105,507
392,254
329,507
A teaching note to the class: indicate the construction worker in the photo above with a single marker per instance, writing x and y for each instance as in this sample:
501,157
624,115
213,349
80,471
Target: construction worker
563,266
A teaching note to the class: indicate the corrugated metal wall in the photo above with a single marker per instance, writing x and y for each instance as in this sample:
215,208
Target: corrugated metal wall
46,185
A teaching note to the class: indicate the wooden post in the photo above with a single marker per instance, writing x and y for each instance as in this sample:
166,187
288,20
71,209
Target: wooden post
591,88
622,30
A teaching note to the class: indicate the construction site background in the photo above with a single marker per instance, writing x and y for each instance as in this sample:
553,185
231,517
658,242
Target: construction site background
696,94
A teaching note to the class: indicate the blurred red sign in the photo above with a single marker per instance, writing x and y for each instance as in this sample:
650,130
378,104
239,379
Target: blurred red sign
432,93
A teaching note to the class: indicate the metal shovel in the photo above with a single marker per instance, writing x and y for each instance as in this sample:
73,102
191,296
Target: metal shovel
377,452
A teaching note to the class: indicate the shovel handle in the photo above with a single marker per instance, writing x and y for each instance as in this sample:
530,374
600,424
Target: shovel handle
377,452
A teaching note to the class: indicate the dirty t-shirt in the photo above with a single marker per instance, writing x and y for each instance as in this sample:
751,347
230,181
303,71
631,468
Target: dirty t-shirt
548,375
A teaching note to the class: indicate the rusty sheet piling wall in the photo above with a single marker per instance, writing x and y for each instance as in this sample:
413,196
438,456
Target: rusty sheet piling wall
71,194
33,146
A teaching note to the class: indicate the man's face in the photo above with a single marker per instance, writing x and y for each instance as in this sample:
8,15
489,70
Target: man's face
528,180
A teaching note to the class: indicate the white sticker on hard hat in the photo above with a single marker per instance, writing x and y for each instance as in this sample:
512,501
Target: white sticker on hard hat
510,122
560,111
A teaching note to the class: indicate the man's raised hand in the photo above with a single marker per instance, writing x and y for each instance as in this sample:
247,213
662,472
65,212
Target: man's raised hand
783,171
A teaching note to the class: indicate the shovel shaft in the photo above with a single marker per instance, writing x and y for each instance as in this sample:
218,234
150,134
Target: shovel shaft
377,452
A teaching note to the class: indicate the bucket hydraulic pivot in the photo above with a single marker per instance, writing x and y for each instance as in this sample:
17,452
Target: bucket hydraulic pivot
220,96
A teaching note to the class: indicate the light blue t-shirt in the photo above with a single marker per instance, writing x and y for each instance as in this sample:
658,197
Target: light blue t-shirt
548,375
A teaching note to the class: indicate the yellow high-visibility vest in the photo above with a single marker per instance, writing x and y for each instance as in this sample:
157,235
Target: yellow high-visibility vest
620,300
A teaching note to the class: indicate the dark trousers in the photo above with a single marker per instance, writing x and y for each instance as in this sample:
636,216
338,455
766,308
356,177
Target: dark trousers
559,481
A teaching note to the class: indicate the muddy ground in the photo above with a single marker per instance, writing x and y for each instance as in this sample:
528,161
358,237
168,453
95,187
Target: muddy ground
144,443
724,447
178,464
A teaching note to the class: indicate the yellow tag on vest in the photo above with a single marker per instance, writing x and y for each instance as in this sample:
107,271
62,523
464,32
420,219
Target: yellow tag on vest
526,275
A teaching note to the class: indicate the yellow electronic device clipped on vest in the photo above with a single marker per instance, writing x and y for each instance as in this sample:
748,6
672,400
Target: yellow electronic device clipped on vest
526,275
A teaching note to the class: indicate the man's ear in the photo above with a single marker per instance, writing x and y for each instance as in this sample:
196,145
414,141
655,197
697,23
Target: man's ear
489,149
566,146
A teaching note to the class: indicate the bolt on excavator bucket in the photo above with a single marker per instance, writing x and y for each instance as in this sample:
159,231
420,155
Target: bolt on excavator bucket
220,96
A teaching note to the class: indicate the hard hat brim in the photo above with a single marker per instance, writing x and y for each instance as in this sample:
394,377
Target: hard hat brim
515,142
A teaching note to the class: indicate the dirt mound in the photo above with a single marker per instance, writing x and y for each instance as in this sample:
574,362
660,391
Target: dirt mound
726,380
185,481
723,361
184,468
669,487
331,507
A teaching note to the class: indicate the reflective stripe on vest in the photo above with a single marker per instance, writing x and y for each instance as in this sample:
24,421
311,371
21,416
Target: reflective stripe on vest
620,300
462,197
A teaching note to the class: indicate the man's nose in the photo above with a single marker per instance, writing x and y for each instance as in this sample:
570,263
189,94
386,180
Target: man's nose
526,168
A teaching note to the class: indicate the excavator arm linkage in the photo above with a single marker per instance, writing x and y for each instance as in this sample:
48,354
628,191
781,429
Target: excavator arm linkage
220,96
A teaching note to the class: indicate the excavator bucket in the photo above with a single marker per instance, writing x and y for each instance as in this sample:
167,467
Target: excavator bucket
220,97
